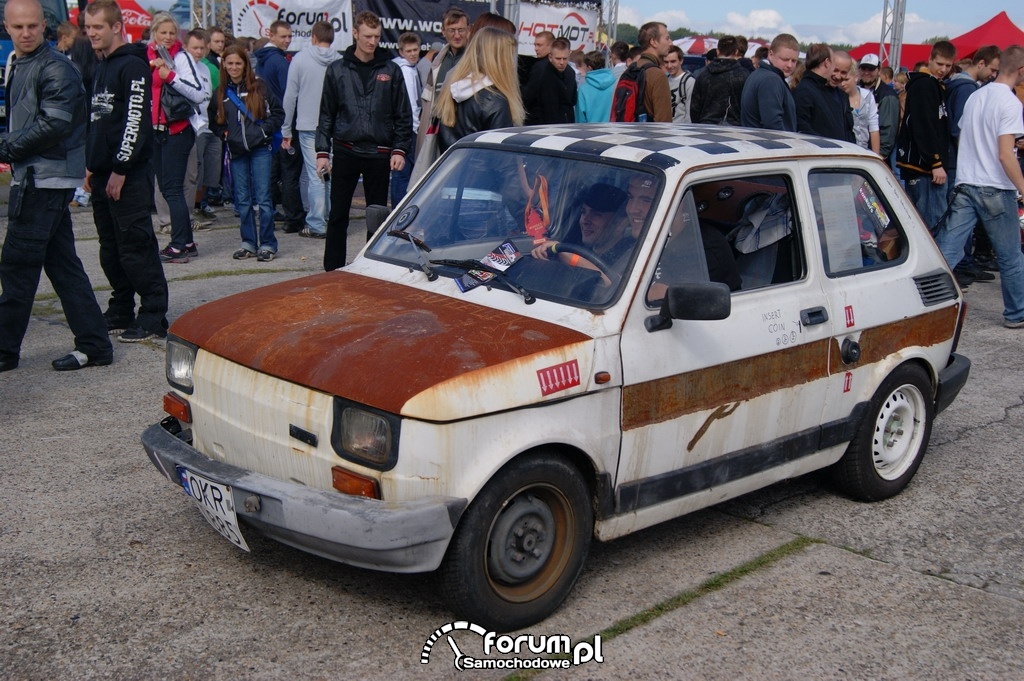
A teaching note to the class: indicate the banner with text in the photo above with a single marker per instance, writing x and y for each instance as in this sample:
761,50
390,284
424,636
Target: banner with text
253,18
422,17
576,24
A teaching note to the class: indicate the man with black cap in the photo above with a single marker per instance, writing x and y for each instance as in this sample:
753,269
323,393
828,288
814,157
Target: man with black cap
888,103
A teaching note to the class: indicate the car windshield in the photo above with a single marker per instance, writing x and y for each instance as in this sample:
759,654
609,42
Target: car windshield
539,225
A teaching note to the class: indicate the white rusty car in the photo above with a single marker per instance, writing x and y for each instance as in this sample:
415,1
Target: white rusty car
567,333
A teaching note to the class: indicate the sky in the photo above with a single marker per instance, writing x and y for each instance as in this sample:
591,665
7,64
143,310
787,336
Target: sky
819,21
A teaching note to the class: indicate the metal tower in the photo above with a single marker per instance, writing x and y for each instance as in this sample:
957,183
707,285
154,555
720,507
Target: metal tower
891,43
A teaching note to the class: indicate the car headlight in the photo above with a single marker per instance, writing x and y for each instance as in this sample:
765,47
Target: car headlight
180,361
365,436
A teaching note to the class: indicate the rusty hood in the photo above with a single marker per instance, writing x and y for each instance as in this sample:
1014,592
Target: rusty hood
390,346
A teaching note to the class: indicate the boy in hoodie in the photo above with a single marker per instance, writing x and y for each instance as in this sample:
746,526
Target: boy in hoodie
594,99
922,146
117,153
366,121
719,88
680,85
305,84
407,59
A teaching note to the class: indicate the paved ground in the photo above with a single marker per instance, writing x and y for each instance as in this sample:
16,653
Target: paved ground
109,573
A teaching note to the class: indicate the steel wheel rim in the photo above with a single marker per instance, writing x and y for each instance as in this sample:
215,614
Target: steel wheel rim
899,432
529,579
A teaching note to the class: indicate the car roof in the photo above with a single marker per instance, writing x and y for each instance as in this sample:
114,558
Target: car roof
665,145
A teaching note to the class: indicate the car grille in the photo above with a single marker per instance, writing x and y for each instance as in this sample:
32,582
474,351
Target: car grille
936,288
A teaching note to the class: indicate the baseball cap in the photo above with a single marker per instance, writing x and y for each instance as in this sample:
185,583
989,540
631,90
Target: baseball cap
869,61
603,197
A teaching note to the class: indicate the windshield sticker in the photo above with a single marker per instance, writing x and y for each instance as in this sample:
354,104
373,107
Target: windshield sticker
503,257
473,278
559,377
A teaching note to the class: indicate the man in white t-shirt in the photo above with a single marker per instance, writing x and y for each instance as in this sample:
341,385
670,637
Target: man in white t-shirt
988,178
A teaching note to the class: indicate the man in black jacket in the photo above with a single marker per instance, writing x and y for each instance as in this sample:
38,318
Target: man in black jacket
365,116
922,146
718,89
118,148
46,149
550,95
821,108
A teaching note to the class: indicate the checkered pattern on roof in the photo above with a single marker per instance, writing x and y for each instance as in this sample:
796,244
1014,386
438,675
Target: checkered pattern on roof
662,145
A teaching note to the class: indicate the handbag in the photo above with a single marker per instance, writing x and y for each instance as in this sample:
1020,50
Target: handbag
175,106
427,153
275,139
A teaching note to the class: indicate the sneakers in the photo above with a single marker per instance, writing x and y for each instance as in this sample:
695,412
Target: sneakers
1013,325
265,255
205,211
192,250
309,234
116,325
173,255
242,254
137,334
200,225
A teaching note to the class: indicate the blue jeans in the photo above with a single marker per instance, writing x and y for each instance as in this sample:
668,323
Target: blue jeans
400,179
318,191
250,175
931,200
997,210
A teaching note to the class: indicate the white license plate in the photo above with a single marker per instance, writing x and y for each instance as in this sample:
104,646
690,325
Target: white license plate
215,503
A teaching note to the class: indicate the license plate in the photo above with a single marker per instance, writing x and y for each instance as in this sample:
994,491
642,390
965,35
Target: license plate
215,503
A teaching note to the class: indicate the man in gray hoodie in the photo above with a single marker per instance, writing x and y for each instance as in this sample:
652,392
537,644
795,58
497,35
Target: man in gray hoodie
302,112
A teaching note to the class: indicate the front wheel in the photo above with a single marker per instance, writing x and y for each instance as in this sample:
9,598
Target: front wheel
891,440
520,545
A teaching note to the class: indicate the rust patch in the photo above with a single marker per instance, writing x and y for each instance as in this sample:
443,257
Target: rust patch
674,396
719,413
372,341
881,341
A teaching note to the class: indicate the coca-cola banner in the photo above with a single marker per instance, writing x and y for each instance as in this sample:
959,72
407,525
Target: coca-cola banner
577,24
253,18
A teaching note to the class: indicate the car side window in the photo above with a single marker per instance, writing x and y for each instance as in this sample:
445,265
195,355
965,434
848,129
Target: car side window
856,228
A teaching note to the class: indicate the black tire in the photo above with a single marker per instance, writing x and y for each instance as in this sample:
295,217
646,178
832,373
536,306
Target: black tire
520,545
891,440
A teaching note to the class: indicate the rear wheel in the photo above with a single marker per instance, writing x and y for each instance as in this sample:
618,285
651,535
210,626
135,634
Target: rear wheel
891,440
520,545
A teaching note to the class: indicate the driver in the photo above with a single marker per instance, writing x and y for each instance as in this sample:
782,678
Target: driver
602,229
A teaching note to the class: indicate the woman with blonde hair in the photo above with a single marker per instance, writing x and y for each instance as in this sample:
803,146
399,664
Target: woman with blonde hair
173,139
482,91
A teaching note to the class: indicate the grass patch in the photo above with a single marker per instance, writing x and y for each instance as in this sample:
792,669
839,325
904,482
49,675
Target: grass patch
716,583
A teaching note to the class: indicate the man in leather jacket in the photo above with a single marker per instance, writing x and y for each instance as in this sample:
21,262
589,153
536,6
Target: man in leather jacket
46,148
366,120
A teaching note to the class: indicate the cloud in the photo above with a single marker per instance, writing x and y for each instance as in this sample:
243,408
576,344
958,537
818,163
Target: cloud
671,18
765,23
629,15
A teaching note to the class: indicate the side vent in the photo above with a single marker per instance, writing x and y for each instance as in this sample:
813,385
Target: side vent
936,288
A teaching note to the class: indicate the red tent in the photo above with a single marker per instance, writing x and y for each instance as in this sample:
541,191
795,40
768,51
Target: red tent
136,19
999,31
909,54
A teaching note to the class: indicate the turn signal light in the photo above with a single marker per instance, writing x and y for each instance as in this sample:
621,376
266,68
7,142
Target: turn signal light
357,485
178,407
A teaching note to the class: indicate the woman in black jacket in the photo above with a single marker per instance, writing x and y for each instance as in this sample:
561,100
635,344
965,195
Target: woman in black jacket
482,91
248,115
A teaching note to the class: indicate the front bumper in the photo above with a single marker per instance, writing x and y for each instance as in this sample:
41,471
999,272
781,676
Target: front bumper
395,537
951,379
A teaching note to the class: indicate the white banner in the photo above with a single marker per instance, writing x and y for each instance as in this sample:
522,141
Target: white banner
575,24
253,18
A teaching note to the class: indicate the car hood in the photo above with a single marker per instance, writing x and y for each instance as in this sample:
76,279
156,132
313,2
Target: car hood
393,347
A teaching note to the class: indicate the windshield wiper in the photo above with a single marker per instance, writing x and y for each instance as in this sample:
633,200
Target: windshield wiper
419,247
467,265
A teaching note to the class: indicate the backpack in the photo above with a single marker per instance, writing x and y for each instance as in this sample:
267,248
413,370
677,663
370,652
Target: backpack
679,99
628,97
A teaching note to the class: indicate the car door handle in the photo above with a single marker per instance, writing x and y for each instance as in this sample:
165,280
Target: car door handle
813,315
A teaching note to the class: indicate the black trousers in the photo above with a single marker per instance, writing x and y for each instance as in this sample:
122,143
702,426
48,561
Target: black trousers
284,183
345,171
41,239
129,253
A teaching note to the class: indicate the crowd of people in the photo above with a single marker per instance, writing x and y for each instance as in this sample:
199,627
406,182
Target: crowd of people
175,128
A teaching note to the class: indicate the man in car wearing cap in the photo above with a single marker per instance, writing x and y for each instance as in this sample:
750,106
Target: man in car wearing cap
888,103
602,229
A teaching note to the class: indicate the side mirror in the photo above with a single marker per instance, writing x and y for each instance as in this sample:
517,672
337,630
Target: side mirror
696,301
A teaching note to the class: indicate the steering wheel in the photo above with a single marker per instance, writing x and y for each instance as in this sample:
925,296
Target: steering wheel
589,255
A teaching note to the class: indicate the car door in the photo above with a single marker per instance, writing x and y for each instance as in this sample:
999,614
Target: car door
709,404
